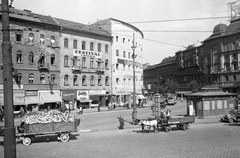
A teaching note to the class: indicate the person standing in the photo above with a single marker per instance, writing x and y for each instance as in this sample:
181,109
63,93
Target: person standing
99,106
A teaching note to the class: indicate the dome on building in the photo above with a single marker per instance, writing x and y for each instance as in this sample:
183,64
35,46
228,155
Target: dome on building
219,28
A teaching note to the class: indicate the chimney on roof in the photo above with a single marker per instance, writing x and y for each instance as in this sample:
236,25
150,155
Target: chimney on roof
29,11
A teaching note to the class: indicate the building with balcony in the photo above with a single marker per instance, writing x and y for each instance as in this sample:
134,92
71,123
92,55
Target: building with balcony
221,56
85,64
124,35
35,56
189,66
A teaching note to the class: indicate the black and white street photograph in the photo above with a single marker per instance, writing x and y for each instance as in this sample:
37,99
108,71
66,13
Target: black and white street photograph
120,79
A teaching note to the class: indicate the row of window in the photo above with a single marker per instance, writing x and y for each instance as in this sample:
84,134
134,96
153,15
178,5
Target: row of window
19,58
31,78
31,38
75,45
84,81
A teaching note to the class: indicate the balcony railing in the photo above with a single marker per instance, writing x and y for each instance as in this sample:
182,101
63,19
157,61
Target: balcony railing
44,66
76,68
100,69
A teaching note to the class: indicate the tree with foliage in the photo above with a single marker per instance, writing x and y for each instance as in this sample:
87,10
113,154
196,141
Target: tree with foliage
193,86
170,86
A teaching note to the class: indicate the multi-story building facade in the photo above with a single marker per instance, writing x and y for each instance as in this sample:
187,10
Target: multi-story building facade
189,66
222,55
125,36
35,55
85,64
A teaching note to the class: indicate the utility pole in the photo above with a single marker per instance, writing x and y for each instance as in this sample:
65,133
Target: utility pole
9,129
134,113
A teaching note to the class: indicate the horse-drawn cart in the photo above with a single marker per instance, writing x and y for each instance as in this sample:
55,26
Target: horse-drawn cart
60,124
166,123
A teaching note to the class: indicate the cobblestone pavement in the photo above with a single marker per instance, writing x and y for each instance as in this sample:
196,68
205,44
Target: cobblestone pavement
201,141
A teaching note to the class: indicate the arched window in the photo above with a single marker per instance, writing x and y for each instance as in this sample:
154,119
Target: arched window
84,80
75,78
19,56
75,61
91,63
83,45
30,78
65,60
107,81
83,62
106,64
66,80
19,78
53,78
100,81
52,40
66,43
31,57
30,37
99,47
91,46
52,59
92,81
42,39
106,48
75,44
42,78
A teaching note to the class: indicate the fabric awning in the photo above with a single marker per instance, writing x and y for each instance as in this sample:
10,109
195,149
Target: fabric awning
49,97
84,100
32,100
140,96
16,101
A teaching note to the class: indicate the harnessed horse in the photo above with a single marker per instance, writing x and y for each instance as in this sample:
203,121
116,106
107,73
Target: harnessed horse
146,124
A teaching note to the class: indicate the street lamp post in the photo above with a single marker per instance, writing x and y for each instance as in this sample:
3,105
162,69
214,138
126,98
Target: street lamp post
134,113
9,129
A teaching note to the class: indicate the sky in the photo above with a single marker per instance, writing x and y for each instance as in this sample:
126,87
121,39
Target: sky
162,39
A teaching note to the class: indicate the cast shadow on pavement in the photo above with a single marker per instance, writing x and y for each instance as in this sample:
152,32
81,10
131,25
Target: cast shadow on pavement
158,131
1,144
232,124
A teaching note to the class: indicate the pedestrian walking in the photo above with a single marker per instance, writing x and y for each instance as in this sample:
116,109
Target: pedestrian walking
99,106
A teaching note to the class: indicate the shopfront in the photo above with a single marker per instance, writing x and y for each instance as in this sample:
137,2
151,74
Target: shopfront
69,98
18,99
49,99
31,99
83,99
99,97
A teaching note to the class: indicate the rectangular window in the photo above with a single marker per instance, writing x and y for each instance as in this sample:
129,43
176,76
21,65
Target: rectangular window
123,40
117,52
19,37
124,54
116,38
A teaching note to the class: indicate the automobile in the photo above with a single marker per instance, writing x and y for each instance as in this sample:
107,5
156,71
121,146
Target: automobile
228,118
171,100
231,117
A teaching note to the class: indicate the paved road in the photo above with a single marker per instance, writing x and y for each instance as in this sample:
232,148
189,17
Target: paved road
206,139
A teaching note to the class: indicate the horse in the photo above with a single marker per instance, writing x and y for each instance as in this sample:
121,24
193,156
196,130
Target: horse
149,124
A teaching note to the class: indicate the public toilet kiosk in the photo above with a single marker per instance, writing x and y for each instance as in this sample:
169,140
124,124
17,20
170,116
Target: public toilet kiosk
208,104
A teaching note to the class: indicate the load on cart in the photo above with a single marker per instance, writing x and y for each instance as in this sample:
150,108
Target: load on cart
47,124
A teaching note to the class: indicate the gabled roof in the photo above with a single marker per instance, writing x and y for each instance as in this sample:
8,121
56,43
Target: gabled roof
81,27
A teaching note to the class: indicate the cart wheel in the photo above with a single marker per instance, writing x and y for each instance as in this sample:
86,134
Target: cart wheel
64,137
179,126
185,127
230,120
168,129
27,141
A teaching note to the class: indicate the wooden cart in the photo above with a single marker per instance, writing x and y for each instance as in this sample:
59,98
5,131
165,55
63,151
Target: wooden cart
181,122
27,132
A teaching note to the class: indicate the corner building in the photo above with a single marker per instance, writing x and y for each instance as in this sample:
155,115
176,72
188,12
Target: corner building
35,54
85,64
124,35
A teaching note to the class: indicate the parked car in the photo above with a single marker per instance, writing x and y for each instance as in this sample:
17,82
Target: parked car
231,117
228,118
171,100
